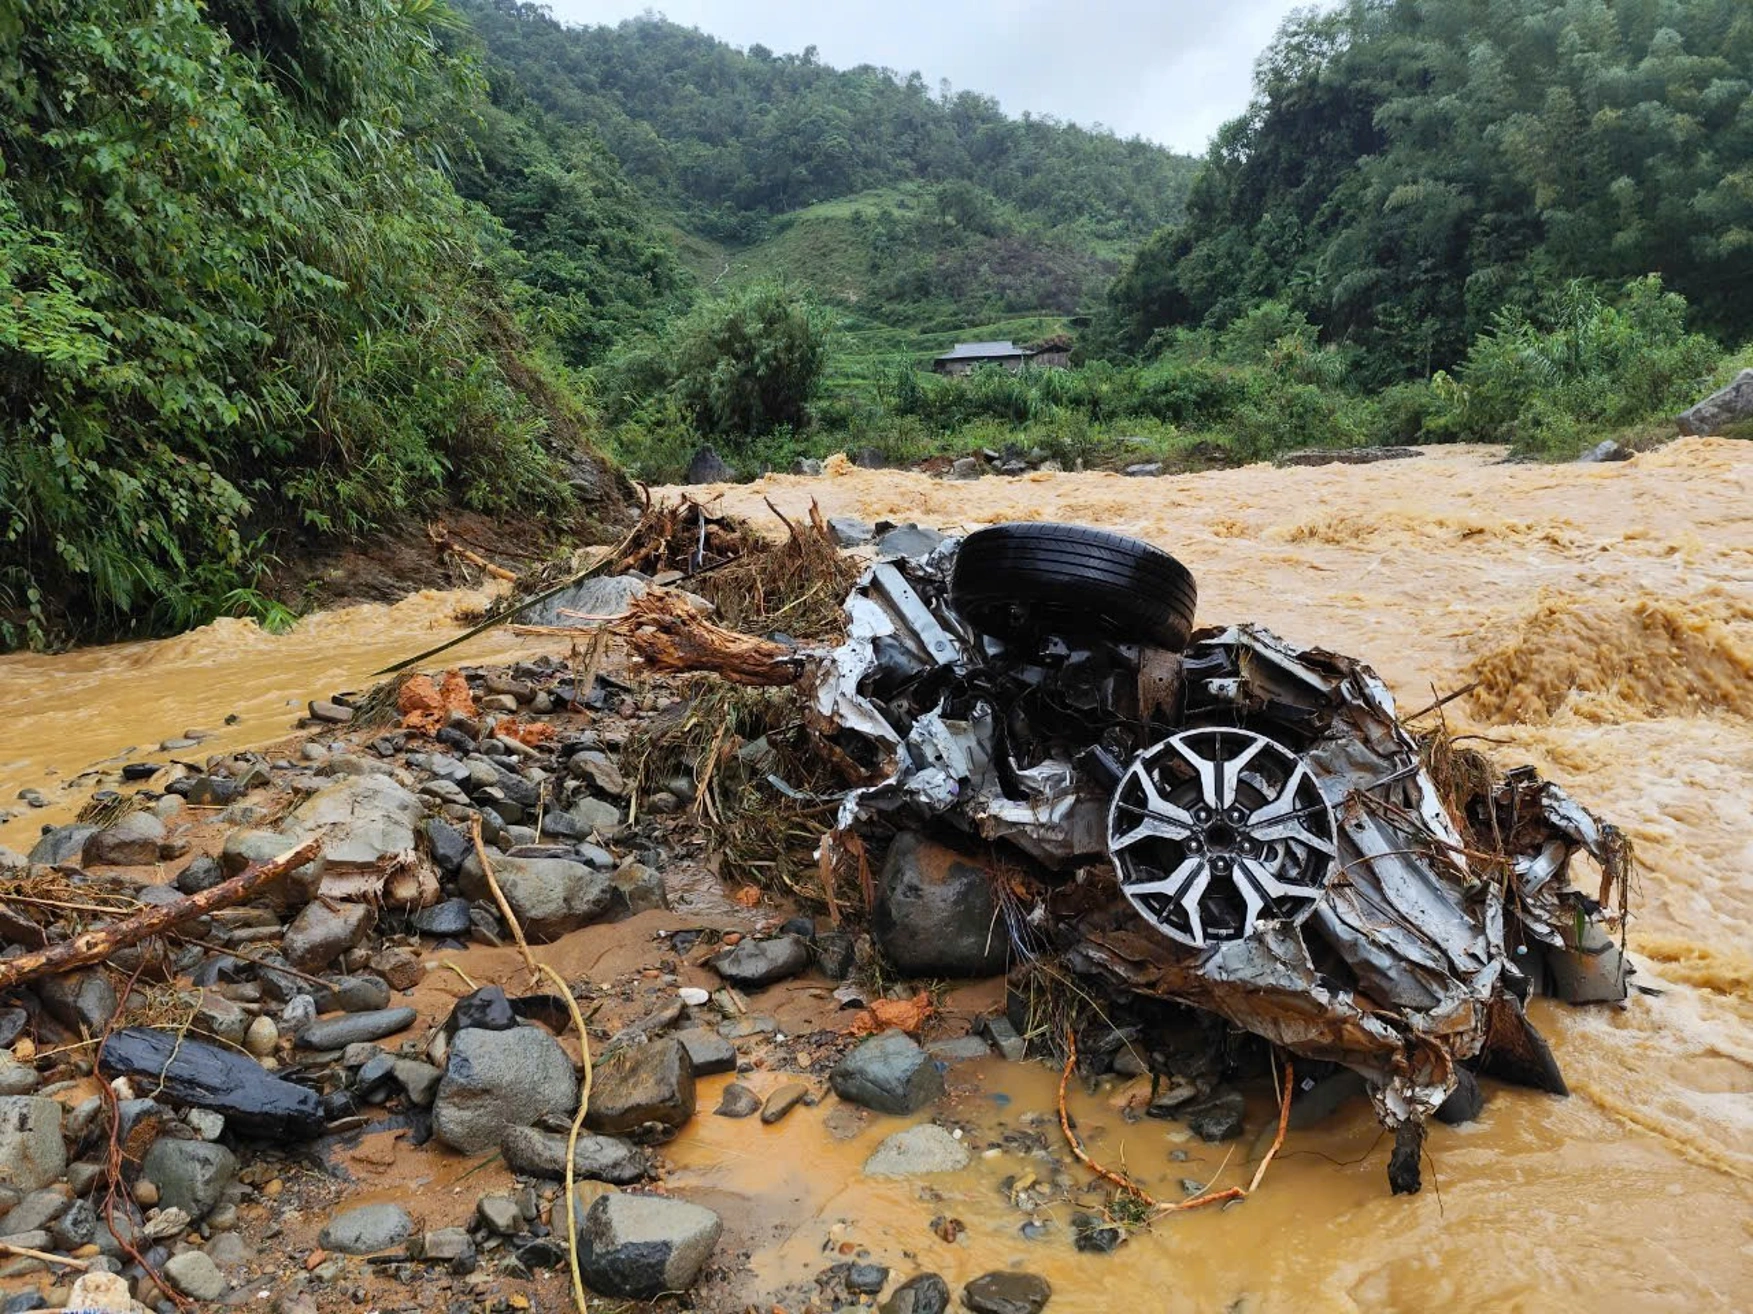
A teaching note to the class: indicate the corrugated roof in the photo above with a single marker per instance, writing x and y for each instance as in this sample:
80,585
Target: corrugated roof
975,350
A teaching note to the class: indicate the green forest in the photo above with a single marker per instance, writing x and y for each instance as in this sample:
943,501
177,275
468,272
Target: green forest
284,272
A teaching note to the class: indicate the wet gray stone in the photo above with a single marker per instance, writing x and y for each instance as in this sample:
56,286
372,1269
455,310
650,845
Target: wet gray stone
1729,405
888,1073
497,1080
355,1028
32,1154
639,1246
750,964
550,896
1007,1292
708,1051
201,873
83,1001
353,994
321,933
195,1275
1218,1117
595,1158
935,913
131,842
450,918
909,540
190,1175
737,1101
63,844
367,1229
926,1293
927,1148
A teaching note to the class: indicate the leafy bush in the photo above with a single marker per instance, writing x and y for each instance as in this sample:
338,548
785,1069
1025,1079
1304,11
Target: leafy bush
750,363
234,298
1584,365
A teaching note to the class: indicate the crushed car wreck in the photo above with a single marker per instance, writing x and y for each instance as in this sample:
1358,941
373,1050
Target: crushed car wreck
1215,818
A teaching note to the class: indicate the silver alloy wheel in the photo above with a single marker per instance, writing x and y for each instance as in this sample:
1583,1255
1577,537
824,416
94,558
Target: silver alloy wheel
1217,829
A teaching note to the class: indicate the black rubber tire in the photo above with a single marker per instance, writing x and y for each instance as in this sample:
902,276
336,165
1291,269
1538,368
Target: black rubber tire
1034,578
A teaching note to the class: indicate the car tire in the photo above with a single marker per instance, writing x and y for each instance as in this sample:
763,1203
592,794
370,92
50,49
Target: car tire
1034,579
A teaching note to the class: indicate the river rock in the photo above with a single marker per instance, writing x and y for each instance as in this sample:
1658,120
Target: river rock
190,1175
367,1229
499,1214
1007,1292
927,1148
32,1154
638,1246
752,963
850,531
1218,1117
449,918
737,1101
189,1071
486,1009
1729,405
202,872
935,914
353,994
909,540
262,1036
708,467
355,1028
195,1275
782,1101
639,1084
888,1073
36,1211
595,1158
245,847
84,1001
497,1080
131,842
320,933
64,844
364,821
637,888
925,1294
21,1079
708,1052
595,817
550,896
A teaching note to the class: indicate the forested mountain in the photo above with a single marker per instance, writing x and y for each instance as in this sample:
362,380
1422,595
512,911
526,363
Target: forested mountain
732,138
1409,169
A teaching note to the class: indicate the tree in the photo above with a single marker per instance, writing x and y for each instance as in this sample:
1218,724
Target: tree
751,363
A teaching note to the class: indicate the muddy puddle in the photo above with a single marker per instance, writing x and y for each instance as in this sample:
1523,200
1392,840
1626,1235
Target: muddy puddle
1603,613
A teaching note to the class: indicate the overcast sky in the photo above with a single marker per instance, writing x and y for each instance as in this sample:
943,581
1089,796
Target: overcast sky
1169,70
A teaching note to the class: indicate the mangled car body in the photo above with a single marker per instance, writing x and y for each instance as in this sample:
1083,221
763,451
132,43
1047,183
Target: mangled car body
1221,818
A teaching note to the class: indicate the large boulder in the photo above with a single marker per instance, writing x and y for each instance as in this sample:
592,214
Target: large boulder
935,913
640,1084
537,1153
708,467
550,896
132,842
63,844
636,1247
496,1080
321,933
1732,404
368,825
888,1073
367,1229
32,1154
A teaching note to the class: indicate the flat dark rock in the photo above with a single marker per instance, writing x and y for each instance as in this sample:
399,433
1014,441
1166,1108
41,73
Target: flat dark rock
354,1028
190,1071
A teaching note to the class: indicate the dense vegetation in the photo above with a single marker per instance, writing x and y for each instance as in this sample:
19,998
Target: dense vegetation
1410,169
238,296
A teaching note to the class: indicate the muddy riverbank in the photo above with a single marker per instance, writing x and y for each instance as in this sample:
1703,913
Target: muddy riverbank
1603,613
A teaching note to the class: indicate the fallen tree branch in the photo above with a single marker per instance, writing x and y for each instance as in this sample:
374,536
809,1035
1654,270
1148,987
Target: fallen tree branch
7,1248
666,633
95,946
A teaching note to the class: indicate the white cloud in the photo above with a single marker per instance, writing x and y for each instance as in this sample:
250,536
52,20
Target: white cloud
1171,71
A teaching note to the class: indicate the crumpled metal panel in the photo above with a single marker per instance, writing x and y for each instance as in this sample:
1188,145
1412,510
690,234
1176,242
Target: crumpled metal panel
1411,946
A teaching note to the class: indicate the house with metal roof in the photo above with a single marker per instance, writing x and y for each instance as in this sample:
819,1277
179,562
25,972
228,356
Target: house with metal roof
964,356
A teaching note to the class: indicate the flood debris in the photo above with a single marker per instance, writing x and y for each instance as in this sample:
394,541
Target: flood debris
1222,819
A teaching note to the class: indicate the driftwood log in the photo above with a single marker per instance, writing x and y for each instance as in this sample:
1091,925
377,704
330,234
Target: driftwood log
95,946
665,632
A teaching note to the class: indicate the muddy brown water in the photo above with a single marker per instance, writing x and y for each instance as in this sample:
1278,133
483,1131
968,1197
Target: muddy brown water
1604,611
